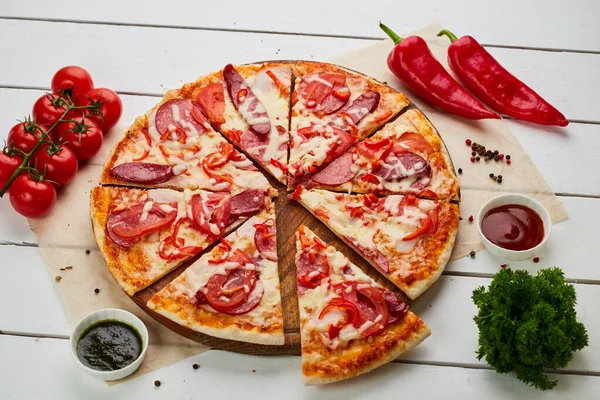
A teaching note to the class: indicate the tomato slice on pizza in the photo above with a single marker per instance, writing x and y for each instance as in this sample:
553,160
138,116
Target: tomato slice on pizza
349,323
407,156
249,105
144,234
409,240
232,292
333,108
174,146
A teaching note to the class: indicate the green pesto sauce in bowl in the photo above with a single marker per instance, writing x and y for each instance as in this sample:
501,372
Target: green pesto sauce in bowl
109,345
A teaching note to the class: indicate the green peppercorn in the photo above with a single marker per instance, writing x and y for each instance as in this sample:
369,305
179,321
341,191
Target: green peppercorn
472,254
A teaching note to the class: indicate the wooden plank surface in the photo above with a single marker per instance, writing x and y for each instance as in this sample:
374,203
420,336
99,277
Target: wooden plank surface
550,24
568,80
230,375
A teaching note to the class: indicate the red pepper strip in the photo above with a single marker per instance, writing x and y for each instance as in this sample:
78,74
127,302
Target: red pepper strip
177,241
319,212
280,85
426,227
297,193
176,253
368,177
320,243
352,315
492,83
303,239
147,148
265,231
412,62
275,162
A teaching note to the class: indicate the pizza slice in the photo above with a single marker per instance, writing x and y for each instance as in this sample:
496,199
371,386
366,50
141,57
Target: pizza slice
231,292
174,146
249,105
407,239
406,156
349,324
333,108
143,234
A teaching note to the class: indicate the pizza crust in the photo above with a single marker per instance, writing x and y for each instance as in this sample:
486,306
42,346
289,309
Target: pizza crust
363,355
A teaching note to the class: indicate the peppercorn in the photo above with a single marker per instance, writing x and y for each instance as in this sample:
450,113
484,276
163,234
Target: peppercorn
496,152
499,176
468,142
460,170
501,156
461,218
507,162
87,252
473,153
57,278
475,144
473,159
195,366
473,147
477,158
508,156
472,254
491,174
96,290
536,259
157,383
471,218
495,178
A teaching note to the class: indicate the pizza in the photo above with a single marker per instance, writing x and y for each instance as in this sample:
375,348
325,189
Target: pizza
174,146
249,105
232,292
407,156
188,187
407,239
349,324
144,234
333,108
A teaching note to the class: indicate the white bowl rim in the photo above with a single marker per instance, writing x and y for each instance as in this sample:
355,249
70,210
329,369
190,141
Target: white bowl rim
547,231
116,311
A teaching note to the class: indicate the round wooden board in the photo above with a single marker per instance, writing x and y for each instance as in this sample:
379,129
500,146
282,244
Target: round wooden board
289,215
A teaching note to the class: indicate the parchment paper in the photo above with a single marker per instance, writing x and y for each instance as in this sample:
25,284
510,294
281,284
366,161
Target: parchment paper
66,234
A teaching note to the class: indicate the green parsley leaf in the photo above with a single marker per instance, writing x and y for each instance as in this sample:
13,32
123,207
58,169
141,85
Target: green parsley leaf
527,324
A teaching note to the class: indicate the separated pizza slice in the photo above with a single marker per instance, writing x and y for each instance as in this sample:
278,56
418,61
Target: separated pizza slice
144,234
174,146
349,324
233,291
407,156
249,104
333,108
407,239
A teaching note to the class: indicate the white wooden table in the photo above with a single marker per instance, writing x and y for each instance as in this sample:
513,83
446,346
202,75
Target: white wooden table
552,45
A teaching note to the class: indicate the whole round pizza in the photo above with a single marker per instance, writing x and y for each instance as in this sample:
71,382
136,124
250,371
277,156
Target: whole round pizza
198,220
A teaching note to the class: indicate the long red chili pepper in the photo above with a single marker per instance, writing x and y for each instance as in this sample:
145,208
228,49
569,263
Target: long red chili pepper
412,62
497,87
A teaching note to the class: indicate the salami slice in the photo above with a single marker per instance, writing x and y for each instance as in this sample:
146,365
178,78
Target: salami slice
143,172
363,105
370,253
397,307
399,166
247,202
180,113
127,226
251,301
324,93
246,102
266,246
336,173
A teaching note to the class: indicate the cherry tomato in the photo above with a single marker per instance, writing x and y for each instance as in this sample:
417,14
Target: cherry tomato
111,110
23,136
8,166
48,109
84,138
74,79
31,198
58,163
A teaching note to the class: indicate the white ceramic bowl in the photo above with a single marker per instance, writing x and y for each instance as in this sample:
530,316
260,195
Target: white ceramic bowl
101,315
514,255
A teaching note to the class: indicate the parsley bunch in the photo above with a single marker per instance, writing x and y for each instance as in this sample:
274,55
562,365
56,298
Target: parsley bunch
528,324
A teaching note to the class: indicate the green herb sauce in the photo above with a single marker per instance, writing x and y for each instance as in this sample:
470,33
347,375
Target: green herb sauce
109,345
